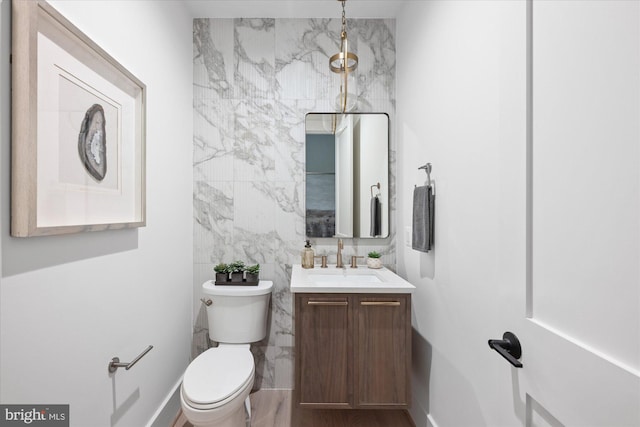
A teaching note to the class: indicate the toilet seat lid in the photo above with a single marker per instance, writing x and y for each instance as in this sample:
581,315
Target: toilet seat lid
217,374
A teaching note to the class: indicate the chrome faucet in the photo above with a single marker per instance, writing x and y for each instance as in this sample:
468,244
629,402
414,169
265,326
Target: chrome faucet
339,263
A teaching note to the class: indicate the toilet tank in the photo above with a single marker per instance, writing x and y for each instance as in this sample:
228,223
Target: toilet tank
237,314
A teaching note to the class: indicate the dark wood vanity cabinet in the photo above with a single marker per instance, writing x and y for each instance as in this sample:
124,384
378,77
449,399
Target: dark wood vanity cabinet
382,350
353,350
324,348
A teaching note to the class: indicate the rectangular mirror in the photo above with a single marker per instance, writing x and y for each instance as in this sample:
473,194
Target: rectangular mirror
347,175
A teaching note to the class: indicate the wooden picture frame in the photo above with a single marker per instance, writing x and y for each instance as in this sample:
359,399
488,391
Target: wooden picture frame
78,130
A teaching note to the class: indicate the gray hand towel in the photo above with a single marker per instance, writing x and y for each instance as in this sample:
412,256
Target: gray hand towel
432,215
423,211
376,220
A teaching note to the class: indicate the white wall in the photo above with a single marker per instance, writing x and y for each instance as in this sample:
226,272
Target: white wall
461,92
68,304
374,131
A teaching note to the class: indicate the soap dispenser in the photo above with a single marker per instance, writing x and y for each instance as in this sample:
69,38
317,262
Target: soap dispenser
307,256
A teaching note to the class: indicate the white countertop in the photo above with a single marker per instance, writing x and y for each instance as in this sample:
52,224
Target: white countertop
348,280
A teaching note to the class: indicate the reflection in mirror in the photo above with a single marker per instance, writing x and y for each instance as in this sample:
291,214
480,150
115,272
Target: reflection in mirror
347,175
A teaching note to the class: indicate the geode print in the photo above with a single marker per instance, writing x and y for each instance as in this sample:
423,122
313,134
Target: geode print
92,142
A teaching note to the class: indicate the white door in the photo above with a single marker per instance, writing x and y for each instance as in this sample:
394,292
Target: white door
579,325
344,177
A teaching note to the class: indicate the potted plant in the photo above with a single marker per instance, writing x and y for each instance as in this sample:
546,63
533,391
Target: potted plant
373,260
236,269
253,273
222,274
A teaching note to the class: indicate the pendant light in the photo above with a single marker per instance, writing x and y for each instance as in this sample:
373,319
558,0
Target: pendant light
344,63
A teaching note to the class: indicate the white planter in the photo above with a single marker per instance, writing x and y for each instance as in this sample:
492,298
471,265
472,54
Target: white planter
374,262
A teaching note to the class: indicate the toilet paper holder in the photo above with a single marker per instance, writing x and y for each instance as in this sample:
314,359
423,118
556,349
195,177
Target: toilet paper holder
115,362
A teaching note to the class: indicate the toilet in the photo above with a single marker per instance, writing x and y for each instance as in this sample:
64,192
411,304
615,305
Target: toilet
216,385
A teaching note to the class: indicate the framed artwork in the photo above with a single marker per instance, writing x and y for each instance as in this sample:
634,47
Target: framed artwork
78,136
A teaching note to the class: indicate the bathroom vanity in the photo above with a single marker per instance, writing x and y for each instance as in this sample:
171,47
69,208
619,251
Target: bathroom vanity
353,338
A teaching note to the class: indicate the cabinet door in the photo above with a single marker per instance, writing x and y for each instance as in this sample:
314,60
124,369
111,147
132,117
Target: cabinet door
323,351
383,351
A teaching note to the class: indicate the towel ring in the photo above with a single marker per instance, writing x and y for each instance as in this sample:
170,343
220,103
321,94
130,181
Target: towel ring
427,169
375,185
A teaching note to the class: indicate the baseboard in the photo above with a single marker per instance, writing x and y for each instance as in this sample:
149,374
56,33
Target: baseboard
421,418
169,408
430,421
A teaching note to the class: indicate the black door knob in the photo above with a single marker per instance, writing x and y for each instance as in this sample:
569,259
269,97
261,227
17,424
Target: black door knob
509,348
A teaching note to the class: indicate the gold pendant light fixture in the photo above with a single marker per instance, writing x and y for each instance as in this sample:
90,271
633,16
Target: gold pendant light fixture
343,63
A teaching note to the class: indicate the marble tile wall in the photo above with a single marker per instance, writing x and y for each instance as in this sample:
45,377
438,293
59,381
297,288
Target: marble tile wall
253,82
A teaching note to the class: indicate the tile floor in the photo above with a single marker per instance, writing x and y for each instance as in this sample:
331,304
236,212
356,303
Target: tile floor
273,408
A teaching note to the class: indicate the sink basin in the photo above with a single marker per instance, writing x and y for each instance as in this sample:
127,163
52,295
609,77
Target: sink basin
347,280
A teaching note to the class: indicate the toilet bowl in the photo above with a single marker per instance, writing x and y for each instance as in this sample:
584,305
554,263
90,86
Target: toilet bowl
216,385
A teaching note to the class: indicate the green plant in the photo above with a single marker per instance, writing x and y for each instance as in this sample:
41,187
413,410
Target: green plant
374,254
254,269
236,267
220,268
